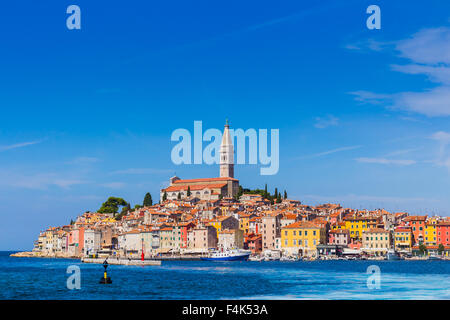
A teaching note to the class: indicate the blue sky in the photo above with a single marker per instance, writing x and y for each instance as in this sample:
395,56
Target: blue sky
86,114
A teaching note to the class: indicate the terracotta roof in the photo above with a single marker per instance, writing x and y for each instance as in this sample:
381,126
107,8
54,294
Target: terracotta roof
204,180
376,230
301,225
195,187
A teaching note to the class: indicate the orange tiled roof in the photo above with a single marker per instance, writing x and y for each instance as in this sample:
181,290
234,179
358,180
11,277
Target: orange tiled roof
204,180
301,225
195,187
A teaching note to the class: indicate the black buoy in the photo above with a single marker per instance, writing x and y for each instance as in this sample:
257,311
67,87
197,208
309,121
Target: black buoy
105,279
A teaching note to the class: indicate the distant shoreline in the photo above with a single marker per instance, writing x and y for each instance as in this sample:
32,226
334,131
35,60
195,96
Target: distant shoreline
30,254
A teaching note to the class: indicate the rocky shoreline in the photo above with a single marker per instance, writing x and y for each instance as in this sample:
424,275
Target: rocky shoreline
36,254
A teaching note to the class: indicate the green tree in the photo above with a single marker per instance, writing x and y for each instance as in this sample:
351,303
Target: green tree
265,192
71,222
279,198
112,205
179,196
423,249
276,193
164,198
148,202
285,194
440,248
189,191
138,206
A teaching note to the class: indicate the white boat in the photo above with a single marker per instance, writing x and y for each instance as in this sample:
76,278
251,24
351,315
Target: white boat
434,256
393,255
288,258
255,258
228,255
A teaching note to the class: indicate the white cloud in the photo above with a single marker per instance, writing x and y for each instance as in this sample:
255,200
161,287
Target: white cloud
443,157
325,122
439,74
113,185
84,160
428,46
40,181
18,145
429,53
386,161
142,171
329,152
432,103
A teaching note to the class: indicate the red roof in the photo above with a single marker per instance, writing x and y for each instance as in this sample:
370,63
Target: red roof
204,180
195,187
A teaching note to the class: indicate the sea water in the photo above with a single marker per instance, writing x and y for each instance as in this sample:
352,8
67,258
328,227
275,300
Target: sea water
45,278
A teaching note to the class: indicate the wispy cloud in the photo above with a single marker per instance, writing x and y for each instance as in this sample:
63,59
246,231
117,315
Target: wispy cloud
113,185
386,161
142,171
39,181
327,121
320,154
443,157
19,145
84,160
401,152
429,54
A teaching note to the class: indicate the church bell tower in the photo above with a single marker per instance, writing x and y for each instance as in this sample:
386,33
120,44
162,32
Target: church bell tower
226,154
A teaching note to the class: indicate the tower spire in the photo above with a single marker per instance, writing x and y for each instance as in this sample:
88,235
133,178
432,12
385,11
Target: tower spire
226,153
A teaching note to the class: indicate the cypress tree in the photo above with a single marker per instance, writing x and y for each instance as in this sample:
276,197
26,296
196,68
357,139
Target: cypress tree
285,194
189,191
164,198
179,196
147,200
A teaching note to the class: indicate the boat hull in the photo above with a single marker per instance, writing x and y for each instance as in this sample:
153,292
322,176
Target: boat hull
229,258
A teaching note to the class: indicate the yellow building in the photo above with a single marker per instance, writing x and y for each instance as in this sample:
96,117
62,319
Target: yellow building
430,232
376,241
356,225
302,238
403,239
222,223
244,222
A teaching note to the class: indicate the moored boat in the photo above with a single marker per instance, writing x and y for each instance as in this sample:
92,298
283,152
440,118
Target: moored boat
434,257
228,255
393,255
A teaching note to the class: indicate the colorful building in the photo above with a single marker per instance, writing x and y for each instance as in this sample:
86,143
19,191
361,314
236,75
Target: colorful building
403,239
302,238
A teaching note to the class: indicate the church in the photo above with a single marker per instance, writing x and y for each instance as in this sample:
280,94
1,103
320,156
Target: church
209,188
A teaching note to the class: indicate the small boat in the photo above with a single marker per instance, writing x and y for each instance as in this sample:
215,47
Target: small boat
228,255
288,258
434,256
255,258
393,255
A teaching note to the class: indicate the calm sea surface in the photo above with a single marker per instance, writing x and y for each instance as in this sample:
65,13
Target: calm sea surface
38,278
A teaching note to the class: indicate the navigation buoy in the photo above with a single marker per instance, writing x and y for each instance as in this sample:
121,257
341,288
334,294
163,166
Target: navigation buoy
105,279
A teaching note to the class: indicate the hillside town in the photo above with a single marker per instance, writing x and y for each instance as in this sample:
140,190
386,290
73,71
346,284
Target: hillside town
195,216
193,227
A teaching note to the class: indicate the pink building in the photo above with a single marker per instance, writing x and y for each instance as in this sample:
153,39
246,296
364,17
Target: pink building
339,237
443,233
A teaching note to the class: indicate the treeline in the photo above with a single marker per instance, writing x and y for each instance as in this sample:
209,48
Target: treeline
119,207
276,197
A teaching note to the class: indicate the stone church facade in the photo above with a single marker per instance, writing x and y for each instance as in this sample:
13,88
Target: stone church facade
208,188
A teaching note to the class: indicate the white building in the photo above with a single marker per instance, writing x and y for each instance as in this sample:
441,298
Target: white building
92,241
